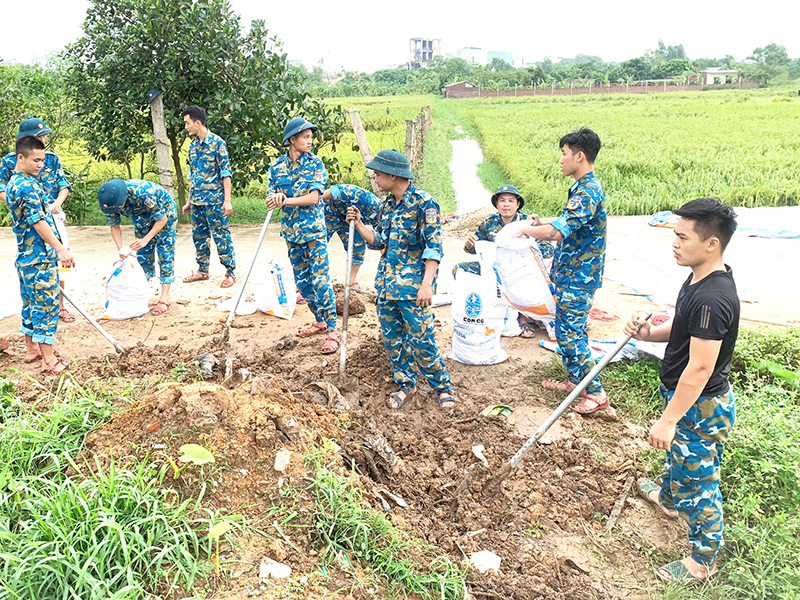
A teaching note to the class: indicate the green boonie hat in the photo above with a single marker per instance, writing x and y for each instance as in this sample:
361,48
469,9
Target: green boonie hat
111,196
294,127
391,162
508,189
34,127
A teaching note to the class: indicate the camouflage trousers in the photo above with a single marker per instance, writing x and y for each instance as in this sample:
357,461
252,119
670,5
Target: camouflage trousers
342,229
208,220
163,243
310,263
572,311
690,482
470,267
408,337
38,287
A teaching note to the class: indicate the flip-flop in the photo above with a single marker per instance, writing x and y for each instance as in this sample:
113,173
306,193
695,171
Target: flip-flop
554,385
195,276
644,486
28,361
395,401
447,398
52,369
312,329
676,572
528,331
592,403
331,344
358,289
228,281
66,316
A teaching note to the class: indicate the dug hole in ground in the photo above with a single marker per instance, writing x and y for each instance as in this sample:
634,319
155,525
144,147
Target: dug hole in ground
546,525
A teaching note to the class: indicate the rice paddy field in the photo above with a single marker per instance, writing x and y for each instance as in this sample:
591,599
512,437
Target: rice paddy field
659,150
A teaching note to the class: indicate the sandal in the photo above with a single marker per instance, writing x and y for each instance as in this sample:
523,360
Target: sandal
66,316
300,299
528,331
356,287
331,344
645,487
312,329
195,276
54,370
160,311
447,401
592,403
555,385
676,572
228,281
396,401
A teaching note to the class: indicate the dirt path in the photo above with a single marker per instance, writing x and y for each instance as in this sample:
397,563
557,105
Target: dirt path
547,525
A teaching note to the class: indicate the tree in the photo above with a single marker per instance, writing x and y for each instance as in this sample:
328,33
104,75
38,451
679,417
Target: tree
636,68
769,61
195,52
675,68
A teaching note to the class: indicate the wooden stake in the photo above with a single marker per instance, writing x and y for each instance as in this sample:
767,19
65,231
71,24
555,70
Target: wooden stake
363,143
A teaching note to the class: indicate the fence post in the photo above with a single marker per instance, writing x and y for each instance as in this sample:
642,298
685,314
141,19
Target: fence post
161,140
363,143
409,148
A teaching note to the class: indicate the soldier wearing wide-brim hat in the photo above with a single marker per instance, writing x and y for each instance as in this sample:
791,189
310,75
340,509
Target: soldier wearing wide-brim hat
52,181
155,218
297,181
409,237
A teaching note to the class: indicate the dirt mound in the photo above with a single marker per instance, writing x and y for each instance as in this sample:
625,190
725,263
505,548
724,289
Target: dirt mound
467,224
356,303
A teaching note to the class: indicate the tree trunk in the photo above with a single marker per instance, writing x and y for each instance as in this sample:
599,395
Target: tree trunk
176,162
160,138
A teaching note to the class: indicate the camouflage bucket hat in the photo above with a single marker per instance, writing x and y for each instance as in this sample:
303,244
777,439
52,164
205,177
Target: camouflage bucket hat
508,189
391,162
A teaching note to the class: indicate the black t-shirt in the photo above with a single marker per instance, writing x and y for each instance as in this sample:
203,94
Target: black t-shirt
708,310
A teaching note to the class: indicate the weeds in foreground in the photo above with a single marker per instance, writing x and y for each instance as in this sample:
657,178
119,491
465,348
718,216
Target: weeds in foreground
345,526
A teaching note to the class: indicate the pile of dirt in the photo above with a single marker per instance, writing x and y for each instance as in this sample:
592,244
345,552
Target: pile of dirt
464,226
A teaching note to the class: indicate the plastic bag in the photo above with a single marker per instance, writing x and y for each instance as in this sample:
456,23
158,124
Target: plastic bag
127,291
274,289
478,320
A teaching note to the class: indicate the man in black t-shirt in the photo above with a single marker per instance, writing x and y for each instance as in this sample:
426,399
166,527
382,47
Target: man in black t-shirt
699,409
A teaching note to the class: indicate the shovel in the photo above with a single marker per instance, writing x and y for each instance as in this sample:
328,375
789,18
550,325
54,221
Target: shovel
346,307
493,484
223,337
95,324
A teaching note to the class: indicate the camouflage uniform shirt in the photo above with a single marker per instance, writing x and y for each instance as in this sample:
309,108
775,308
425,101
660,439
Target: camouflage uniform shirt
27,206
409,233
580,256
209,164
51,178
351,195
299,224
487,230
146,200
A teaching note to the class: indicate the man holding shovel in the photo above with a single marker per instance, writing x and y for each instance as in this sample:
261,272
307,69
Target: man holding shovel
409,236
699,408
38,252
52,181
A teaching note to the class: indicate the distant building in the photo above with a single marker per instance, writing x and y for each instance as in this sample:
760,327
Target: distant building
714,75
506,57
472,55
422,50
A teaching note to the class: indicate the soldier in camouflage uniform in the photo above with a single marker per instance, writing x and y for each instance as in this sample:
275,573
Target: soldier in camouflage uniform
52,180
508,202
154,215
336,200
699,405
409,237
577,270
209,197
38,253
296,183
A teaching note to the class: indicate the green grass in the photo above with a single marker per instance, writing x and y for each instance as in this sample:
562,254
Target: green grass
659,150
760,477
343,524
73,530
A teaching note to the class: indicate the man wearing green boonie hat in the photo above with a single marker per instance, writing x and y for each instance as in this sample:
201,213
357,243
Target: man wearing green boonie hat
409,237
52,181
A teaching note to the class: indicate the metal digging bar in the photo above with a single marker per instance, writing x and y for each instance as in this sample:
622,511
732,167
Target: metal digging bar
223,337
346,307
493,483
93,323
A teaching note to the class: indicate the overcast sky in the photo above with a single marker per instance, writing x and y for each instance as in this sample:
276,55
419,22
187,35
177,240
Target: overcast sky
369,35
